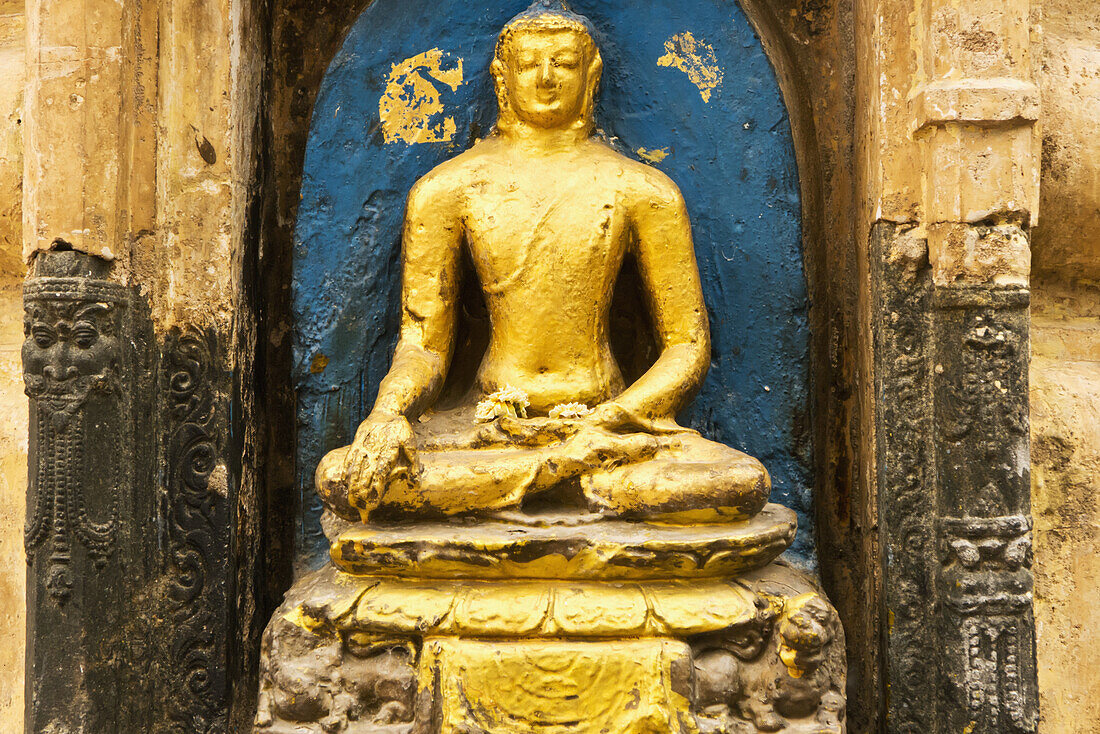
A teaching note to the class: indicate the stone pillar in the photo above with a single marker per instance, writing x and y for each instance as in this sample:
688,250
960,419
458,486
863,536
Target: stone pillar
140,173
90,636
951,176
89,552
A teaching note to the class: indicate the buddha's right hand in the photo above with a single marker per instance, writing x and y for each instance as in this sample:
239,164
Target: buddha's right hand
384,450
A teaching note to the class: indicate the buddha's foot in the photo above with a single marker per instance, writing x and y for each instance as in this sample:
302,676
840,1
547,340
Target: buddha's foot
676,478
480,480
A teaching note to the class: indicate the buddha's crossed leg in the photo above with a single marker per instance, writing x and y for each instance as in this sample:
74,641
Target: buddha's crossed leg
675,477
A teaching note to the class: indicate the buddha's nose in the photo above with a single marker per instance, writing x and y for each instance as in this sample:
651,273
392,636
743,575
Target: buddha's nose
546,74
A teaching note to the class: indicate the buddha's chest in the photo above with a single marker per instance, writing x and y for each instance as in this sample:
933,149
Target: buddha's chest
557,228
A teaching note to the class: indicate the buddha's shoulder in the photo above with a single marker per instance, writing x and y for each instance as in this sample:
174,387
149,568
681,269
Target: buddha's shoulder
640,181
455,175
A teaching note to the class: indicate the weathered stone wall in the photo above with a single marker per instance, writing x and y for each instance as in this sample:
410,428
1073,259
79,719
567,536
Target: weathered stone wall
1065,371
13,404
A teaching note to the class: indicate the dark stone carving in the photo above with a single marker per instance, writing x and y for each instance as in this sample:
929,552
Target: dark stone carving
901,300
198,531
71,351
327,681
954,496
784,671
981,359
988,583
88,556
983,494
133,621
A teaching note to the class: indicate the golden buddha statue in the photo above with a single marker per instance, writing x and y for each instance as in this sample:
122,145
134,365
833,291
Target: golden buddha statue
547,212
651,603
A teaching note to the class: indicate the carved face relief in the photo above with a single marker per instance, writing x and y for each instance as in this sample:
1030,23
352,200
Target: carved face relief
805,630
546,77
70,348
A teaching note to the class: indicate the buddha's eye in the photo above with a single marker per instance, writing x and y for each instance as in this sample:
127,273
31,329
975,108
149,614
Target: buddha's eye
43,336
84,334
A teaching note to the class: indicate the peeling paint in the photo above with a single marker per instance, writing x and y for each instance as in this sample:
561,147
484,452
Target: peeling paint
696,59
411,107
655,155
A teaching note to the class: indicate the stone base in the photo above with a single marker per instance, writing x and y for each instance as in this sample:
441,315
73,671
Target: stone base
388,654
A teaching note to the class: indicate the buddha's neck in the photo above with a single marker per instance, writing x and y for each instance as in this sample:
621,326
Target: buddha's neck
545,140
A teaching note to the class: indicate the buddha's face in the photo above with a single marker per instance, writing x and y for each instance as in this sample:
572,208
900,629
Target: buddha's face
546,75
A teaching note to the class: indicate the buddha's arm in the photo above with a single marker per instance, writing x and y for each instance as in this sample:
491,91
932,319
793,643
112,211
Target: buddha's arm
670,278
431,245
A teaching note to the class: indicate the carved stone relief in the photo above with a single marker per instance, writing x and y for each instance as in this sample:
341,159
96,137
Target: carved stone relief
197,534
87,533
70,354
952,456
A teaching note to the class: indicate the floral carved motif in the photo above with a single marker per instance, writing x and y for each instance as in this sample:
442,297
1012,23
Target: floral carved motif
197,527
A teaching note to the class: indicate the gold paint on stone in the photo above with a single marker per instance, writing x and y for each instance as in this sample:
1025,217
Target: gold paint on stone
559,686
656,155
573,547
318,363
546,547
696,59
411,106
547,213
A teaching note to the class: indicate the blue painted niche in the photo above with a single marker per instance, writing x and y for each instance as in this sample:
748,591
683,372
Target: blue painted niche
732,156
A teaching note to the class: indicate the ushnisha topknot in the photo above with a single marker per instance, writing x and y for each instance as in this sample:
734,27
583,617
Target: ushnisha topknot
546,15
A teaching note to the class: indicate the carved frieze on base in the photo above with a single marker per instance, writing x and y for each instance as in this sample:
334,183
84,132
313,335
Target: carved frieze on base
762,652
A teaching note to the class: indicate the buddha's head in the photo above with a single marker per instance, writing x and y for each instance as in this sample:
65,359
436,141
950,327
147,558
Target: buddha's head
546,69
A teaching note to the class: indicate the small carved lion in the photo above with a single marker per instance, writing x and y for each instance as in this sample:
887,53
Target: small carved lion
790,683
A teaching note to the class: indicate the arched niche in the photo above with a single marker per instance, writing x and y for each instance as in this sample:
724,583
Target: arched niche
693,87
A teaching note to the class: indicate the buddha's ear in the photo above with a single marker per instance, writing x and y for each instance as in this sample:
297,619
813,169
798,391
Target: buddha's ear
496,69
595,69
